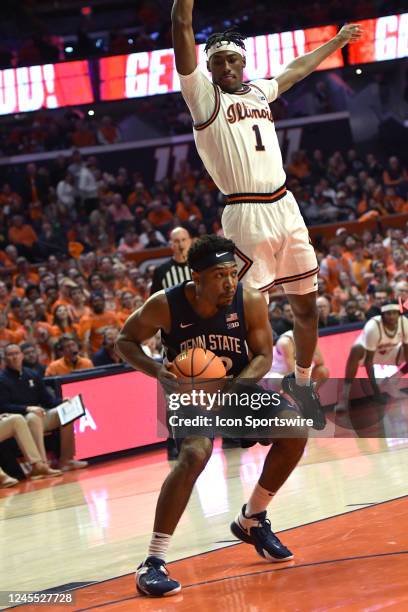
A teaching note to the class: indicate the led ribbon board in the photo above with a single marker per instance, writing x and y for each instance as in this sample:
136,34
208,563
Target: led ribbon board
153,72
49,86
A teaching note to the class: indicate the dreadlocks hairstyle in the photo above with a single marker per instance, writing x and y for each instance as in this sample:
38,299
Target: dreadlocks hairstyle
229,35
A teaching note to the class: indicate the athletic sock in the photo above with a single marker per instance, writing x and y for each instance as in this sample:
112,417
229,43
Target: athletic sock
303,375
258,502
159,545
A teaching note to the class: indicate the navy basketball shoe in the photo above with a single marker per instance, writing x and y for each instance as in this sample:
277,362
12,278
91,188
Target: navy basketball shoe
152,578
307,400
260,535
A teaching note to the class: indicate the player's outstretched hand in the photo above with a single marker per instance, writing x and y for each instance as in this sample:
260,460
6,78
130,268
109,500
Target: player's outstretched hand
350,33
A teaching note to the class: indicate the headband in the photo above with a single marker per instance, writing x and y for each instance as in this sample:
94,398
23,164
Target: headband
213,259
225,46
390,308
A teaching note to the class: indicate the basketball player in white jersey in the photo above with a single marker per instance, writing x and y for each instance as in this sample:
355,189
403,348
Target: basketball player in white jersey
235,136
383,340
284,357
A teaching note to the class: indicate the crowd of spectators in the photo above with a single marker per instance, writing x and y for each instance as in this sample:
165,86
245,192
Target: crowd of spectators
47,131
69,234
346,187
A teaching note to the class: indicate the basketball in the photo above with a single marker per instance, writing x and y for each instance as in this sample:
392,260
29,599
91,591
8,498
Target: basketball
198,363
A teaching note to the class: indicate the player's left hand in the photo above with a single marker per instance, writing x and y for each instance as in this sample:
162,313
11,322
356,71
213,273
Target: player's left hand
350,33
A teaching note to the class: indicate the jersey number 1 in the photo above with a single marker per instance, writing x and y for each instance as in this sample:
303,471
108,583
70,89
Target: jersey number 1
259,143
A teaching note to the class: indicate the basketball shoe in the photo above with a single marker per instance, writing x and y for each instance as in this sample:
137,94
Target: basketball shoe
258,532
307,400
152,578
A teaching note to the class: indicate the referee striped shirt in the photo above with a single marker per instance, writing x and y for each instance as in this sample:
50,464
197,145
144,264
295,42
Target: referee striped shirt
169,274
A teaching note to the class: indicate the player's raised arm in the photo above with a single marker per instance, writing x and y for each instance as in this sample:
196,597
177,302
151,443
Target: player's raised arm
259,336
304,65
183,36
140,326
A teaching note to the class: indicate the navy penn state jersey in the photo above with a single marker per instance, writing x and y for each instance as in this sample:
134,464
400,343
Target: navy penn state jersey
223,334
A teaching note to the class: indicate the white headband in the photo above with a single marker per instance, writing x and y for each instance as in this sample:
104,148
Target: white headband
225,46
390,308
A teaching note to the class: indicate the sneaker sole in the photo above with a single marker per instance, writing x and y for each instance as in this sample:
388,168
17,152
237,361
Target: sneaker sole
168,594
244,537
286,388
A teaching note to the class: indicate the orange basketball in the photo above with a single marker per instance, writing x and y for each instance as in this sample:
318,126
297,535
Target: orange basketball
198,363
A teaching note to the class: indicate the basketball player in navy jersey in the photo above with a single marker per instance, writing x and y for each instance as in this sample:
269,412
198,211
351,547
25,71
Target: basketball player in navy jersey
195,313
235,136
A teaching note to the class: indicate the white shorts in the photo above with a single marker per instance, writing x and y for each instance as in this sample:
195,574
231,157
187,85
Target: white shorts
394,356
273,244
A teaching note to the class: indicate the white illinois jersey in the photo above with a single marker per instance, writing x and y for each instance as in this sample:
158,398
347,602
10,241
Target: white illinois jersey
235,134
386,345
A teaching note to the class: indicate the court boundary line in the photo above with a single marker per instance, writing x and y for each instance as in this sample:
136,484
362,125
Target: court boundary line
387,501
248,574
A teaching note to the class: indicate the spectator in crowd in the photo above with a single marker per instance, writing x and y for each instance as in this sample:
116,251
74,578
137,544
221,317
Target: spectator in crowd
22,391
66,193
7,334
87,187
63,321
353,313
23,237
150,237
119,212
15,426
285,322
325,318
71,360
83,136
32,358
130,243
77,307
92,327
108,133
126,301
107,354
380,297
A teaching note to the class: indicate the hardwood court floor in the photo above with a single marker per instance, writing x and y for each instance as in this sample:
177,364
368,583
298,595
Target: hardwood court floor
339,512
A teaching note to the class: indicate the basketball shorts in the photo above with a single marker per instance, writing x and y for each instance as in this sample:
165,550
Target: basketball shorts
272,240
393,356
255,407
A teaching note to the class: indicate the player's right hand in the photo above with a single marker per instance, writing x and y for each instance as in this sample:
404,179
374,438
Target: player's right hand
166,377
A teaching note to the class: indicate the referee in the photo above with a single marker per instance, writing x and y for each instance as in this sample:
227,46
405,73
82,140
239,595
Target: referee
169,274
175,270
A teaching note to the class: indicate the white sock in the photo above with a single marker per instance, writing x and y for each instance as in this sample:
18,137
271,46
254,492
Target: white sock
303,375
159,545
258,502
